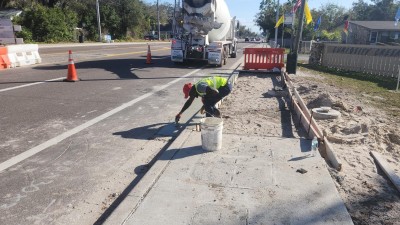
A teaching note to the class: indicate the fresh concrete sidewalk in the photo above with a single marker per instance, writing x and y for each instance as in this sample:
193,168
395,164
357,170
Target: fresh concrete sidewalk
252,180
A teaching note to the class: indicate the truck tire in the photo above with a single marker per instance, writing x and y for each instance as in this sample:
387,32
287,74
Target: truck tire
233,55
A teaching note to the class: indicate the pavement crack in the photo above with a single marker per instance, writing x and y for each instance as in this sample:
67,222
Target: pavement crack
69,145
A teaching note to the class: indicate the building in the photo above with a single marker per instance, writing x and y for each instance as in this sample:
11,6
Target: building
372,33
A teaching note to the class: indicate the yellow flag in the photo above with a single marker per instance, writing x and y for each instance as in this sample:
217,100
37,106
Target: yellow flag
308,14
280,21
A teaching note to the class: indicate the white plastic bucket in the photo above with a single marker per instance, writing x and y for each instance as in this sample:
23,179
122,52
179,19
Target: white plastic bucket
211,133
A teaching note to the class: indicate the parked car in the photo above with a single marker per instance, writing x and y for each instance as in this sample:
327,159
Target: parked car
150,37
246,39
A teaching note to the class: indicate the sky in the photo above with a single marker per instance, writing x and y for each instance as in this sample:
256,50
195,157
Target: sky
245,10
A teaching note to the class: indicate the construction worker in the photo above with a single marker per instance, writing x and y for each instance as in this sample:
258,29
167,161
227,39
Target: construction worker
211,90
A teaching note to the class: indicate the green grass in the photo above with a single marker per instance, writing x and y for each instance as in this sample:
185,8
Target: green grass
379,91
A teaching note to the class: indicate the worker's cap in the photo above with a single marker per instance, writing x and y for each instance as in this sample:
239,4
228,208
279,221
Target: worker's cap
186,89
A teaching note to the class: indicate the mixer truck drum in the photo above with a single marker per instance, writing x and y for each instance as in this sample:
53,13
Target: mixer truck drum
197,3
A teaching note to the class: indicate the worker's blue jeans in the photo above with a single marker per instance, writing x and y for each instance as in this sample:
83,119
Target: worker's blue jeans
210,101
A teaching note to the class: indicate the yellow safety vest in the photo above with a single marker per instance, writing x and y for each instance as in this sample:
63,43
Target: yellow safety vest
215,82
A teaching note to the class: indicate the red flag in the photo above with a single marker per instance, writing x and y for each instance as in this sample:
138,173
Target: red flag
346,26
296,6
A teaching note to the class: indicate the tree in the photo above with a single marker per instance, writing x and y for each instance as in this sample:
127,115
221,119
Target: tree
361,10
132,13
383,10
265,19
49,24
166,12
245,32
332,16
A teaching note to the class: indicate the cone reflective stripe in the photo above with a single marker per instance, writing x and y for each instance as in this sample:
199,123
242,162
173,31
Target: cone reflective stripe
148,58
72,76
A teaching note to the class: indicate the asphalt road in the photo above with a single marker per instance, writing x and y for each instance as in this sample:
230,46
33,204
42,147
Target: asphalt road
69,151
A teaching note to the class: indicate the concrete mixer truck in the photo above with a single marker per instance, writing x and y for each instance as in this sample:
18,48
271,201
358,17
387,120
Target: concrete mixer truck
207,32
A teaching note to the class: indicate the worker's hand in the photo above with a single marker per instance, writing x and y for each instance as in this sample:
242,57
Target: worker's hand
178,117
203,110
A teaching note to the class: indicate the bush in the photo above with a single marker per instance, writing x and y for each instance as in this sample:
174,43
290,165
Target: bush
44,24
26,34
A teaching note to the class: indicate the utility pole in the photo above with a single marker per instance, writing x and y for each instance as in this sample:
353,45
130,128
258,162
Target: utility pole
300,28
283,32
276,29
98,19
291,63
174,21
158,21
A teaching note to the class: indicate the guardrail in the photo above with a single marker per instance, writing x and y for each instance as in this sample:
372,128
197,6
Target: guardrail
19,55
263,58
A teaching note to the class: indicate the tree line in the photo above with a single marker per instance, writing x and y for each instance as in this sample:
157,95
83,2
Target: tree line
62,20
54,21
332,17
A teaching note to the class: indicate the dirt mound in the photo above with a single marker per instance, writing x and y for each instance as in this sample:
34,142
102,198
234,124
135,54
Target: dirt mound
324,99
369,195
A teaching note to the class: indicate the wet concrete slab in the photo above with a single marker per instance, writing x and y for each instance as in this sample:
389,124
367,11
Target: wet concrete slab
251,180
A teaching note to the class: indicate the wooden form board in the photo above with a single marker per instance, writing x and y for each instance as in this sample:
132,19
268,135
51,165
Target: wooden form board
311,126
387,169
336,163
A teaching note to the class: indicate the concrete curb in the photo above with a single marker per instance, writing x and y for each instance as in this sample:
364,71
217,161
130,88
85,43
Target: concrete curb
129,205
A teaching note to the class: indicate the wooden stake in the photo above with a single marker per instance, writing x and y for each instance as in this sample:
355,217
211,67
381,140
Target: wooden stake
386,168
398,80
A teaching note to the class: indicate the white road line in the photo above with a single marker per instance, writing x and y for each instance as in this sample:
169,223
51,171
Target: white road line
31,152
31,84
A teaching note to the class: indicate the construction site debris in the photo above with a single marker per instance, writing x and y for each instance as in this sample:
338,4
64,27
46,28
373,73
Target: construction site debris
301,170
369,196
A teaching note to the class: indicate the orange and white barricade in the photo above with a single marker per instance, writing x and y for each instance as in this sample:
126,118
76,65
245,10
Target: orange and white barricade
4,60
263,58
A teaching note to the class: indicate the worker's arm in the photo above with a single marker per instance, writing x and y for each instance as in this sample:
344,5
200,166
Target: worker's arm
211,91
185,106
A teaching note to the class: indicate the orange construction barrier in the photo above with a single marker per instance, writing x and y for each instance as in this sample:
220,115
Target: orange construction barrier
72,76
263,58
148,58
4,59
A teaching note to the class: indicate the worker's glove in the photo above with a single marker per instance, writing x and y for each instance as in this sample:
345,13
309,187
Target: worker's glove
177,118
202,110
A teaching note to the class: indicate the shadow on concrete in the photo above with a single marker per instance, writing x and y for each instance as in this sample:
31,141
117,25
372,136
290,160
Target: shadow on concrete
143,133
182,153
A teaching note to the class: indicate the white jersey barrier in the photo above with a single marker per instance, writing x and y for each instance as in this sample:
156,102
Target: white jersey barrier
23,55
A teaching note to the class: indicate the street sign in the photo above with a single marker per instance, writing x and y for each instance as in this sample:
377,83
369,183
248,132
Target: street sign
288,18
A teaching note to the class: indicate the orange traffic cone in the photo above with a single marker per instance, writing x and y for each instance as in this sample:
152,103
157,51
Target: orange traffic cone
72,76
148,58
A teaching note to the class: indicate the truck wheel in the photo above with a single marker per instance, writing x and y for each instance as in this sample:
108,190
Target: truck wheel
233,55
